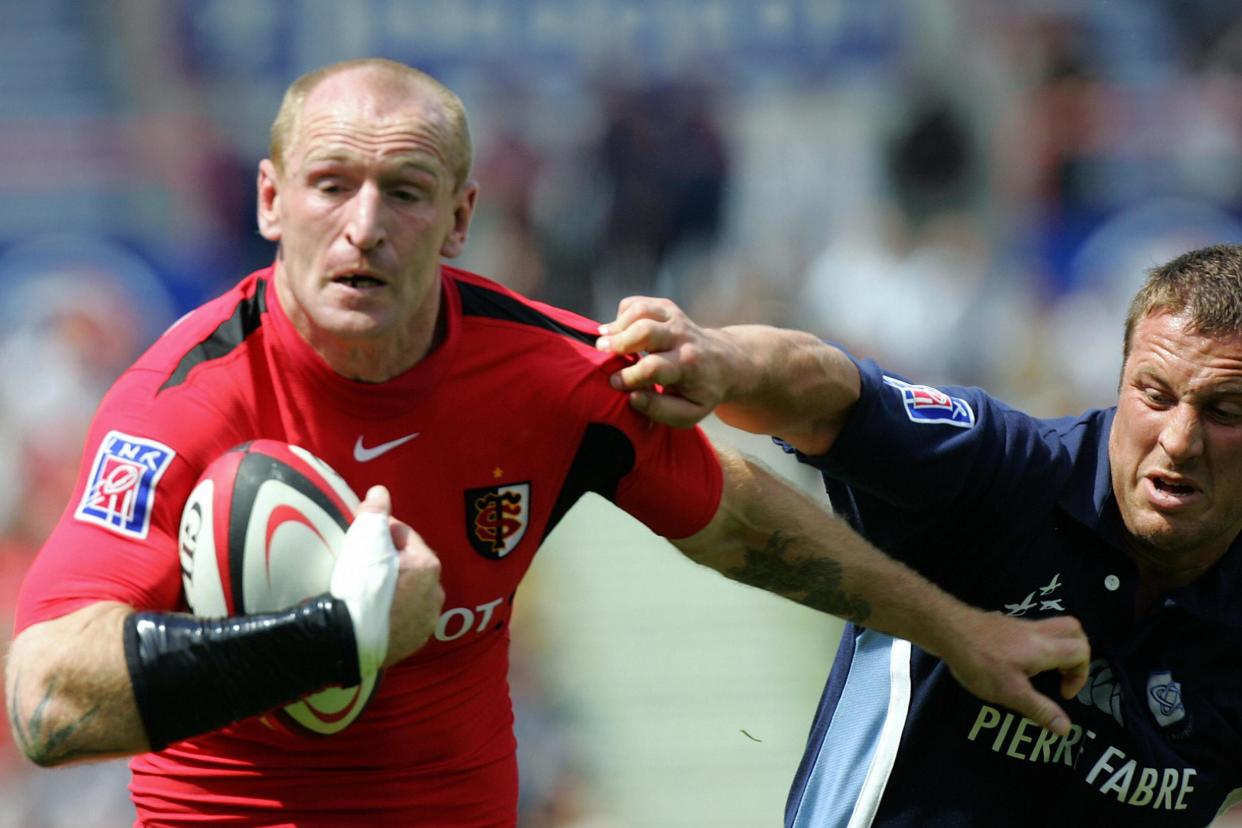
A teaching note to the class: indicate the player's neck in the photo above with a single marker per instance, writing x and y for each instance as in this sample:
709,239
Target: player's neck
380,358
383,359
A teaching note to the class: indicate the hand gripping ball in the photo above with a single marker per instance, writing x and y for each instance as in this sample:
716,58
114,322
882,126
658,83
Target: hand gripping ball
259,533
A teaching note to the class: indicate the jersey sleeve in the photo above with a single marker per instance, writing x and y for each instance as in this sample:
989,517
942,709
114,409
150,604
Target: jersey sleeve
673,480
117,538
926,449
676,484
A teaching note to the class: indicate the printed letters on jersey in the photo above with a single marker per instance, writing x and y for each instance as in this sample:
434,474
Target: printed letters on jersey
120,490
926,405
497,517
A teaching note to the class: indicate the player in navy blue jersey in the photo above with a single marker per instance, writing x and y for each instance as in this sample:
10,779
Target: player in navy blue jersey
1127,518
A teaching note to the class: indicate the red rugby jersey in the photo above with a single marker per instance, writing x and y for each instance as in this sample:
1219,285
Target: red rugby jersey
512,407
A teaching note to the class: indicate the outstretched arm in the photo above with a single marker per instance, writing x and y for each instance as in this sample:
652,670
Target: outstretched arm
769,535
72,689
757,378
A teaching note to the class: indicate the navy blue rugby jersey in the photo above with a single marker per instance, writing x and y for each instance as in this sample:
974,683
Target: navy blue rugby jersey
1016,514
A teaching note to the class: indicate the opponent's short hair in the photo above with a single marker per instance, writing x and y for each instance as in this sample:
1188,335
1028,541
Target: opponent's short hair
457,128
1205,285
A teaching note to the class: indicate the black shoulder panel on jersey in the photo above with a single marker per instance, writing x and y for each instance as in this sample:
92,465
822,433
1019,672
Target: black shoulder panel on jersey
479,301
604,456
231,333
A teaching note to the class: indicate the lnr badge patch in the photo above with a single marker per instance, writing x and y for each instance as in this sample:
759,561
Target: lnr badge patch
497,517
120,492
926,405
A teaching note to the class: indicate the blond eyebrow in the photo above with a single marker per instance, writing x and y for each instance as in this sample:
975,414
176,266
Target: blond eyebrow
1149,374
419,165
398,162
1229,388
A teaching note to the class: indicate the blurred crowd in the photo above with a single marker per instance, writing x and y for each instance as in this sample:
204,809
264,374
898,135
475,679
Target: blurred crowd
967,191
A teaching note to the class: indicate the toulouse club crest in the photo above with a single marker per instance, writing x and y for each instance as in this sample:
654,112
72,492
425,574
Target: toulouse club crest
120,491
497,517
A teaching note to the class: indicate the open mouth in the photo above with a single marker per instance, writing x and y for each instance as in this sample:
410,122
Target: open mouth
358,280
1169,486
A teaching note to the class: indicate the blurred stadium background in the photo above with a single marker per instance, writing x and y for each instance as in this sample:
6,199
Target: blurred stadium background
967,190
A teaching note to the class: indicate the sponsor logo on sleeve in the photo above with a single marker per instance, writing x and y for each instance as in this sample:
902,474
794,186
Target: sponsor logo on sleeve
927,406
120,491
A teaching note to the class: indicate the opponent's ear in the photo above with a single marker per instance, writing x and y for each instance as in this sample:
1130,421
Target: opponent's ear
269,200
463,210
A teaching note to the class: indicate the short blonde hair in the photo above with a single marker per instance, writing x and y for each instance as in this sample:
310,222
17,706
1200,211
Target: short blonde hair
459,147
1204,284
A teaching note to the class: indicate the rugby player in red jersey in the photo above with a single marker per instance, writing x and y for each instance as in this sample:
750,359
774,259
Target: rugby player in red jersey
474,415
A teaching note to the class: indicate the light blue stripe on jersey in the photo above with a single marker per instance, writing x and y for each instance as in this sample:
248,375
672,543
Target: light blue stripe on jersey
859,747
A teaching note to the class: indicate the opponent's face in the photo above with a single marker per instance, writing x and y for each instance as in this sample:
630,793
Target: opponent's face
364,208
1176,443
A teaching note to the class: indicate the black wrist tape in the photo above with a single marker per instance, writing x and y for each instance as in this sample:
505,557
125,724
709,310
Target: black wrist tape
192,675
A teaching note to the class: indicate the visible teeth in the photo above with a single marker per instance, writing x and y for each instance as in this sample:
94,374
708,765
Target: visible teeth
358,280
1175,488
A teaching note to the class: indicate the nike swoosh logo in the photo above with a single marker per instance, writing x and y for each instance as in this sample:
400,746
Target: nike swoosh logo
363,454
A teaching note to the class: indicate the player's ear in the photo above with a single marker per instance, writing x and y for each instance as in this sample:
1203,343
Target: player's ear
269,194
463,208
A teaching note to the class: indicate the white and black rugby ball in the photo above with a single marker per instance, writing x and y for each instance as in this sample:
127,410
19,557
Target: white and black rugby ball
259,533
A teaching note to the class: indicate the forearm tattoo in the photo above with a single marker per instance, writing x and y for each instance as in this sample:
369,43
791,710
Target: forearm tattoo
815,582
36,737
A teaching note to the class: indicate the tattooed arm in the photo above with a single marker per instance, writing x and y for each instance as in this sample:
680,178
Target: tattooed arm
771,536
67,689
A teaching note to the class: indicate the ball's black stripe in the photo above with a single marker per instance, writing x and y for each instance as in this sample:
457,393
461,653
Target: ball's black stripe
254,470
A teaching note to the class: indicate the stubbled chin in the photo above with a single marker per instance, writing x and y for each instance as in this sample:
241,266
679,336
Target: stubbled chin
341,295
359,323
1167,533
1147,523
346,322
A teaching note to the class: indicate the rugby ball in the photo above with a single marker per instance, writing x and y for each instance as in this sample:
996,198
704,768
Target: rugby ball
259,533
